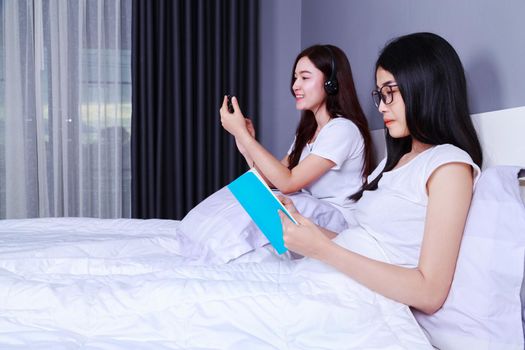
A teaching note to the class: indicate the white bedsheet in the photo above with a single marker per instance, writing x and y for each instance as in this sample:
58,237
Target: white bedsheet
75,283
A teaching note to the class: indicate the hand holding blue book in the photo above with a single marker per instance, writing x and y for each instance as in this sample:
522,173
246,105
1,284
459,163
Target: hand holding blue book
262,205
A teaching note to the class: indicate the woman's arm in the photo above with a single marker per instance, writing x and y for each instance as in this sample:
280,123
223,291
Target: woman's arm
425,287
287,181
251,129
284,162
249,161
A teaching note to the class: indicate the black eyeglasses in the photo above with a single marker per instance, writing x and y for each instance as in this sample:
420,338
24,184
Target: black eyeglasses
385,94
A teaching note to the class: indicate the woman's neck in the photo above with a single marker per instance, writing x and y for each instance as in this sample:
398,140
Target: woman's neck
321,116
418,146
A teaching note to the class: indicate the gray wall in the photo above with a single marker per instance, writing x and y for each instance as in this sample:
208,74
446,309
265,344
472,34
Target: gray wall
280,44
488,35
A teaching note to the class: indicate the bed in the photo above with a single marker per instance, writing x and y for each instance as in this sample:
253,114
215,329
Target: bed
120,284
81,283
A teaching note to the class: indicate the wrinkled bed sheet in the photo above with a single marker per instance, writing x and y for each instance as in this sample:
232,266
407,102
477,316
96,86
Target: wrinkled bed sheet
78,283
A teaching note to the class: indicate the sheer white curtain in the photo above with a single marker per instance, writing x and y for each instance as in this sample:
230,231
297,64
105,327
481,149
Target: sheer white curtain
65,108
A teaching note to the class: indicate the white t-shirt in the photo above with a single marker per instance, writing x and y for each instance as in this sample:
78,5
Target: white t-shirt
394,214
341,142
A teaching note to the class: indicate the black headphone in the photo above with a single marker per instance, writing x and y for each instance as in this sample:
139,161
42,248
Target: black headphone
331,86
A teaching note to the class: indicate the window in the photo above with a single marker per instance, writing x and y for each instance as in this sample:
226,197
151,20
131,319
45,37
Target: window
65,108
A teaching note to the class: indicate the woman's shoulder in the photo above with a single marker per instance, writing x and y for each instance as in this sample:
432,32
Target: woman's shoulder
448,153
341,123
448,150
340,120
340,130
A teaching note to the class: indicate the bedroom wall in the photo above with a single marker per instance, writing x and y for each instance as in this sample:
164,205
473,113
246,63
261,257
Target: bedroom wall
280,34
488,36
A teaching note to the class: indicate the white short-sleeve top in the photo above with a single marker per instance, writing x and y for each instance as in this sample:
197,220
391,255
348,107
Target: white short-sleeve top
341,142
394,214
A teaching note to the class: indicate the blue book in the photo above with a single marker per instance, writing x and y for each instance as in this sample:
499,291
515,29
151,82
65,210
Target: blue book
262,205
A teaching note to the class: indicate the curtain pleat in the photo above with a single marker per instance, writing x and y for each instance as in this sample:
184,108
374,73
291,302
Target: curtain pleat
186,55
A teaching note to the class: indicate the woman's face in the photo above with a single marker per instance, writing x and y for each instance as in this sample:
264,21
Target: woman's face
308,86
393,112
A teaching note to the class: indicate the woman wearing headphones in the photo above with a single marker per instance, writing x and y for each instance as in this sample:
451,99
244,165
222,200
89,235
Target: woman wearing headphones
331,154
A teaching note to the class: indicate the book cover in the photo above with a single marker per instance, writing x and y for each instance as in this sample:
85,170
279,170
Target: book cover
262,205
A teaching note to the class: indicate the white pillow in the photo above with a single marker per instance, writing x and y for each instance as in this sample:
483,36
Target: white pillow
483,309
218,229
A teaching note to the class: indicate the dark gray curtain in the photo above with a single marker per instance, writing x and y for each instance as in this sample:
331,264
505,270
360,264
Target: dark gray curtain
186,55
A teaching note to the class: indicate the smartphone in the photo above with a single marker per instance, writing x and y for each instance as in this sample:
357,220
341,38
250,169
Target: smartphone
230,106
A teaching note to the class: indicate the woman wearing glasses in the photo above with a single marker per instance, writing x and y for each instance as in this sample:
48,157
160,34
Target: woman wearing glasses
331,154
416,202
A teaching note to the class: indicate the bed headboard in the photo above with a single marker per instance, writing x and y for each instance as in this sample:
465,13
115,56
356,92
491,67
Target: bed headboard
502,137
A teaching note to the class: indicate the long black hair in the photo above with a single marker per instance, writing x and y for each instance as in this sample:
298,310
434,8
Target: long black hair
431,80
344,104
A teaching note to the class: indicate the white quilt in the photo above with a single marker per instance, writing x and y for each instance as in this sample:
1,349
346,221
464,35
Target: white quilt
76,283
